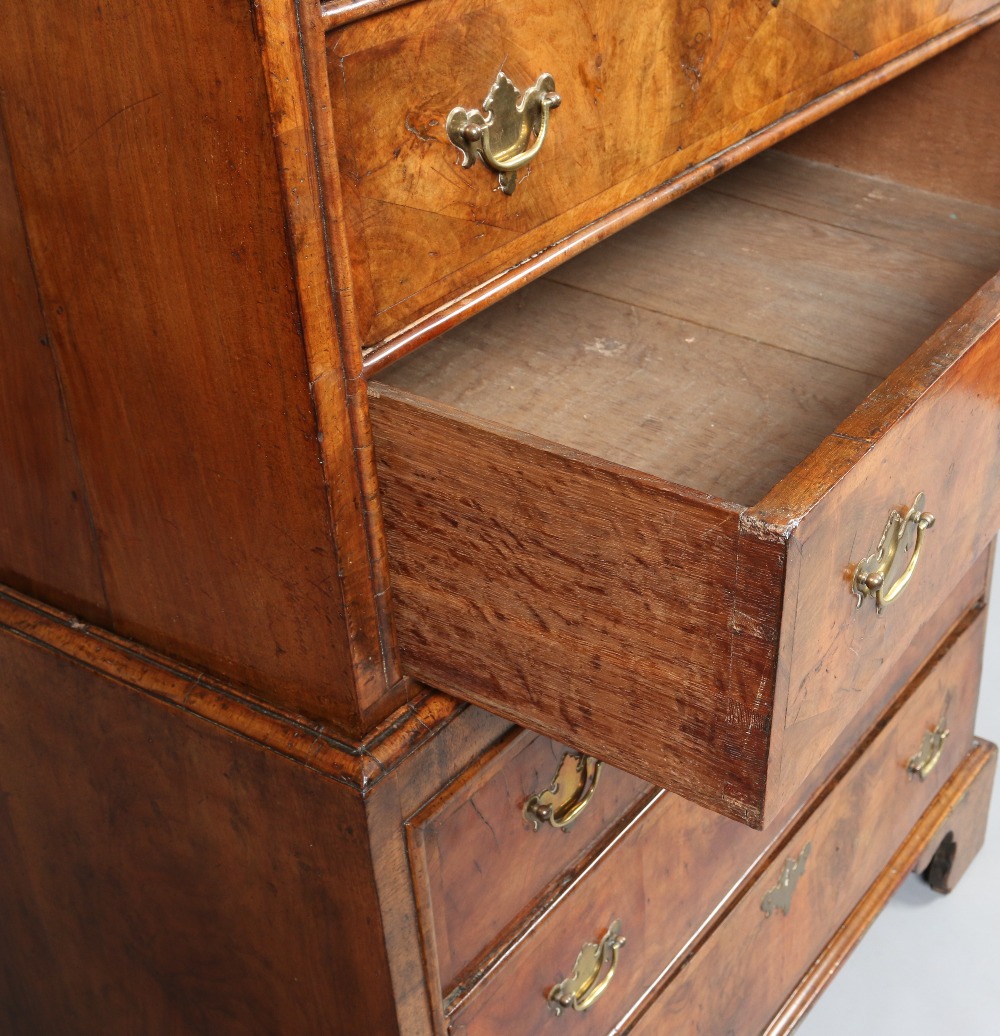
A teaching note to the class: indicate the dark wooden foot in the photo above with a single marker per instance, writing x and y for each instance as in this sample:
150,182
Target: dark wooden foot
961,832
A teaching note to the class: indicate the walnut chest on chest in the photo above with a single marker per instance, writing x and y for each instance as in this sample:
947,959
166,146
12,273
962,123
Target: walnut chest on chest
497,506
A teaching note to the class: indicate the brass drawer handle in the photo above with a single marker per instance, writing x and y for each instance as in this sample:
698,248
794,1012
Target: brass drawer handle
871,577
570,793
921,764
582,989
502,137
780,897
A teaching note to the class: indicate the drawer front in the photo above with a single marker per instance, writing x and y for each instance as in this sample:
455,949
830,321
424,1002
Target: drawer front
485,850
755,959
678,868
698,630
926,430
647,92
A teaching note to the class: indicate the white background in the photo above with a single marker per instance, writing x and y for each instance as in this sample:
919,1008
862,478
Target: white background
931,963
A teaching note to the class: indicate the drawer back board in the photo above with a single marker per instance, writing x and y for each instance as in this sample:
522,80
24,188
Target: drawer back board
707,643
654,99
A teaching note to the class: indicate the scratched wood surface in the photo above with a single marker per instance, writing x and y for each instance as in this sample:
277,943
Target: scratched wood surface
678,864
150,184
423,231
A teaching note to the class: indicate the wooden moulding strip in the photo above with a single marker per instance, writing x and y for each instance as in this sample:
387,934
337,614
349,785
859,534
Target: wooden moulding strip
336,13
483,295
906,858
361,765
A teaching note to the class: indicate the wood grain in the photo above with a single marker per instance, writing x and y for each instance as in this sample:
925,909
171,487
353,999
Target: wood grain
165,875
775,299
343,440
912,130
482,861
579,597
360,764
956,624
150,182
678,871
974,779
889,450
493,529
751,961
47,542
714,70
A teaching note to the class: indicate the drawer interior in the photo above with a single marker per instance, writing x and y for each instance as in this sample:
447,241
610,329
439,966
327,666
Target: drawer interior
717,342
626,506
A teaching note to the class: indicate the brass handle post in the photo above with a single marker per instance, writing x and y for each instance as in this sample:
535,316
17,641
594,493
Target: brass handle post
510,135
592,974
872,576
571,791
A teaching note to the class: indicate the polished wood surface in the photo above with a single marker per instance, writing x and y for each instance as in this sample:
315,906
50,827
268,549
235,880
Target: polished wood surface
678,870
359,764
478,861
216,453
224,805
693,847
886,451
424,232
972,782
755,960
707,623
165,875
47,544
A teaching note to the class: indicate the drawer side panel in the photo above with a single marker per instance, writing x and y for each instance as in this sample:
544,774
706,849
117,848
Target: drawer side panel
589,603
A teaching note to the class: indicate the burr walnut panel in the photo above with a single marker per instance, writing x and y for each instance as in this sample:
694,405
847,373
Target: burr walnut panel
648,92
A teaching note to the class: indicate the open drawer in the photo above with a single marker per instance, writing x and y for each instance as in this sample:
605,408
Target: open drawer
628,506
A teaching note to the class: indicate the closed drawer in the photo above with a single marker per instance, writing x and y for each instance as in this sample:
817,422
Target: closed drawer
487,847
627,507
649,92
678,869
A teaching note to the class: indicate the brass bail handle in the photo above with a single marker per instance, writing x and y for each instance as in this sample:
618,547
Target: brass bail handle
931,747
571,791
592,974
872,575
780,897
510,134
